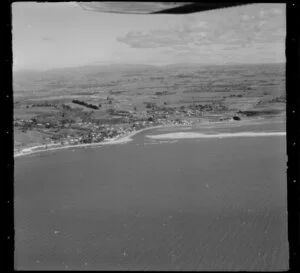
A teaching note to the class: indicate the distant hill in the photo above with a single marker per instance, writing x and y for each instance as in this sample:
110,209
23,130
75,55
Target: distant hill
87,69
94,69
83,76
200,66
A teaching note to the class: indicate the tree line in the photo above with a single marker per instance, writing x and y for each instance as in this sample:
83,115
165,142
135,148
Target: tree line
89,105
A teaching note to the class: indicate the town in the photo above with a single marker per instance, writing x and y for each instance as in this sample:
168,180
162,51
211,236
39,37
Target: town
73,126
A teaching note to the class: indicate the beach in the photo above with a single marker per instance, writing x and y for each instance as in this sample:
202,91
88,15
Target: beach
189,135
128,137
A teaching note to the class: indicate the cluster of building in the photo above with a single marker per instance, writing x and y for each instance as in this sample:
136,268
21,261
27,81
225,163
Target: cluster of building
93,131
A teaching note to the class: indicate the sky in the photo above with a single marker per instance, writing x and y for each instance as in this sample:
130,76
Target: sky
62,34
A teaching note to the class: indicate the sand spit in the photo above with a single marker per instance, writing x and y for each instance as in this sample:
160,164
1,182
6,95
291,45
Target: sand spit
179,135
128,137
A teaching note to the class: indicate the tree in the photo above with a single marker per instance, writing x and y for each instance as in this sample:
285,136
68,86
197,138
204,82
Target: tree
236,118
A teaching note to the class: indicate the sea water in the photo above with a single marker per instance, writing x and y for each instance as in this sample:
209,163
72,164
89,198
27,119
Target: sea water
185,204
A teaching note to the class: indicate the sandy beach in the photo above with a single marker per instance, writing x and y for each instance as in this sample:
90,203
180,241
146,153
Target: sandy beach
174,135
189,135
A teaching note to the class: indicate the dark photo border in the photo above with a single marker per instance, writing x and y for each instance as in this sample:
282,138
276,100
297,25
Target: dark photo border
292,126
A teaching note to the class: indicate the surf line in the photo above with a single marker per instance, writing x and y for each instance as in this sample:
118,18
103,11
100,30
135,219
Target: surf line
179,135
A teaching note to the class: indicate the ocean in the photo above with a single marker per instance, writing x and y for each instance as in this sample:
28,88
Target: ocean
183,204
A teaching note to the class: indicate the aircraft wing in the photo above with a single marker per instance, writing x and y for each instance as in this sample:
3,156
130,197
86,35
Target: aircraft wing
158,7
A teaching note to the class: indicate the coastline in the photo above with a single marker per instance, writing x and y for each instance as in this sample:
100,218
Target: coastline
117,140
127,137
193,135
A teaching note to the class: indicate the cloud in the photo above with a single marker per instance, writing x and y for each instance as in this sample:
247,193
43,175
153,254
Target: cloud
178,35
46,39
268,13
216,37
242,30
246,18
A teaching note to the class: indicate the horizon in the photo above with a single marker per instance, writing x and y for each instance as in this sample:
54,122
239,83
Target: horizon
62,35
141,64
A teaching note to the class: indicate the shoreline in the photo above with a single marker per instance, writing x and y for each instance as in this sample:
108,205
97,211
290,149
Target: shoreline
117,140
195,135
120,139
